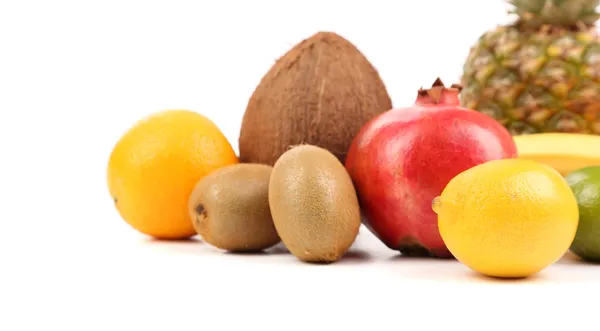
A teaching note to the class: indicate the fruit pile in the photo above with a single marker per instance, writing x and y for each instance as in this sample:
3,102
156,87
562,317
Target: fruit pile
501,172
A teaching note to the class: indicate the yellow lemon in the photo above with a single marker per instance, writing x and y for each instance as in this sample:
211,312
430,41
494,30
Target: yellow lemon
507,218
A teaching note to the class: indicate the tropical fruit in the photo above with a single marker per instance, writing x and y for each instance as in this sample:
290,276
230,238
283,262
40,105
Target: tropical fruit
320,93
404,158
155,165
230,208
565,152
540,73
507,218
314,204
585,184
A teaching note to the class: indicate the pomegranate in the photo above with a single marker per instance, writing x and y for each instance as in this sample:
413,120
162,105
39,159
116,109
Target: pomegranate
403,158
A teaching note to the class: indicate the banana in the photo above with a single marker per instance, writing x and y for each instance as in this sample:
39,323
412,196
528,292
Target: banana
565,152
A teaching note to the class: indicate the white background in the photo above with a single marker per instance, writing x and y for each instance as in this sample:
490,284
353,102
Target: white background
75,75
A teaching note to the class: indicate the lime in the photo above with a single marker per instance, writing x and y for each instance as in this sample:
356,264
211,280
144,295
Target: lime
585,184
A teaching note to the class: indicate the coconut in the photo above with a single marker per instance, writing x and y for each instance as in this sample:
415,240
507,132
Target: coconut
321,92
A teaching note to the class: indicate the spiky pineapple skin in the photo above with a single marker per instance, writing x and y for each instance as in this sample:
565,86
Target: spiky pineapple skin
542,80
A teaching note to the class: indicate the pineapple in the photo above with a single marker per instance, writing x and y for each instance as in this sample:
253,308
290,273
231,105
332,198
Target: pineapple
540,73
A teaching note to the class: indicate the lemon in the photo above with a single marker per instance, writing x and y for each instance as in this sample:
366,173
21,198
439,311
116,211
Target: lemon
508,218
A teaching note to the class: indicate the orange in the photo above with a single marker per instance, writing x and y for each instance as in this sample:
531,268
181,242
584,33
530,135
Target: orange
155,165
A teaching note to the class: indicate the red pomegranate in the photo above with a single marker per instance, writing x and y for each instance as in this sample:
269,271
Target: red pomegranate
403,158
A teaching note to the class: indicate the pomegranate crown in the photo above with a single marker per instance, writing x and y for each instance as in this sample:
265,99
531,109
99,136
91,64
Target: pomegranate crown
439,93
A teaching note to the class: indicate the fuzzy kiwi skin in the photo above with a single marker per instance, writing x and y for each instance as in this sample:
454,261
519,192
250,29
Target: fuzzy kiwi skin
230,208
314,204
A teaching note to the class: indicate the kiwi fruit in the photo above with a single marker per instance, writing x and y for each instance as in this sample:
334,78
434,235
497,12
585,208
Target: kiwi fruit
313,204
229,208
321,92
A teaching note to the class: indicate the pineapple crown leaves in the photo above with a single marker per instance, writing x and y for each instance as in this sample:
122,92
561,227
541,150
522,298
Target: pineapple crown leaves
565,13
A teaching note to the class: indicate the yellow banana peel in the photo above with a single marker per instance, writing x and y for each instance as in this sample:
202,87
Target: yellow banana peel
565,152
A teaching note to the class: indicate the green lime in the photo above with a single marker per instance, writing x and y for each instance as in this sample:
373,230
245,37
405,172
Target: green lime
585,184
